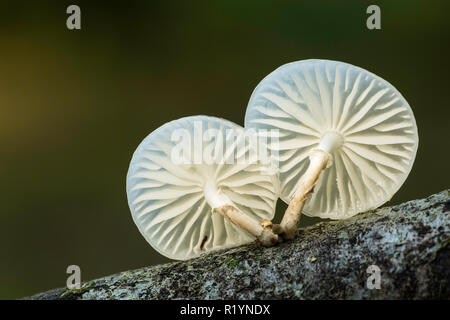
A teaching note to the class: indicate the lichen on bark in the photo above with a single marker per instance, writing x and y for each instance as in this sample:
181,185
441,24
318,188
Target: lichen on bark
408,242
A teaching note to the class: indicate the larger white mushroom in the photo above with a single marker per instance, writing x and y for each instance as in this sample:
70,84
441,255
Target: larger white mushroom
193,188
346,136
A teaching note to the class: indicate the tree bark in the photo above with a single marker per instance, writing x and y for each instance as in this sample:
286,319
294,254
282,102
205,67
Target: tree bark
330,260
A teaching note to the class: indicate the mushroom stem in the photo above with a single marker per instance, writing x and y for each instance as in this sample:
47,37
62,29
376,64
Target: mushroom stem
319,159
223,205
289,223
262,231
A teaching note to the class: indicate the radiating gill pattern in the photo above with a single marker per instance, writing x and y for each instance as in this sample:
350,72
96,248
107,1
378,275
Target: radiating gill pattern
167,200
306,99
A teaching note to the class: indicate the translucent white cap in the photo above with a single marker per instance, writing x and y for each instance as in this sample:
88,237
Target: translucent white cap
172,182
370,128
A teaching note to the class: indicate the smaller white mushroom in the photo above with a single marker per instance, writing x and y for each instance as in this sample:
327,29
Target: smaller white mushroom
191,189
344,131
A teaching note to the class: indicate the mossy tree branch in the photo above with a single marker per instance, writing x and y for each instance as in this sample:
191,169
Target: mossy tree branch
408,242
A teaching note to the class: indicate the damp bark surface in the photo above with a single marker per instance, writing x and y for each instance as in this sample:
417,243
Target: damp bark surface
409,243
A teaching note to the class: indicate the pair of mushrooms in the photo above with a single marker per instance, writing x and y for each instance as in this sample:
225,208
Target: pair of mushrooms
347,141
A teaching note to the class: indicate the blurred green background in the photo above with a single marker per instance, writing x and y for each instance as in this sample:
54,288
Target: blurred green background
75,104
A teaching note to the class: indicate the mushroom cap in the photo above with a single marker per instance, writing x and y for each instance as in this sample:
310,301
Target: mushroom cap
376,127
167,197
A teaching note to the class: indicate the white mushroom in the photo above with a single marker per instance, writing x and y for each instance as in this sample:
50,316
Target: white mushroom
192,189
337,116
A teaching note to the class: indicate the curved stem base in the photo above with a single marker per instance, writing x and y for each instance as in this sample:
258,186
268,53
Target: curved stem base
262,231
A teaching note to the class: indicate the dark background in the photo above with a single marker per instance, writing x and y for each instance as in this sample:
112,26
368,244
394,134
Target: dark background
75,104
